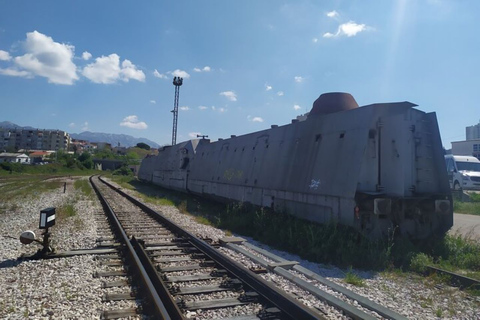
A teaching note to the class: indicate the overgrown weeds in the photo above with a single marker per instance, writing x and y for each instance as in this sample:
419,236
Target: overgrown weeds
65,211
468,204
354,279
27,185
84,186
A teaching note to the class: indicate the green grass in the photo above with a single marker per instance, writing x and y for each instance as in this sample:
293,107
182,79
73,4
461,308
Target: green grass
354,279
15,169
439,313
65,211
467,207
84,186
472,206
451,253
17,187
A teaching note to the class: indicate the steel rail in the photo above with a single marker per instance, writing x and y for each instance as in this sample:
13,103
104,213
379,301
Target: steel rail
458,280
287,304
363,301
157,307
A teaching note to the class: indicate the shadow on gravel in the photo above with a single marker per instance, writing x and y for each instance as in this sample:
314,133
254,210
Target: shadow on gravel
10,263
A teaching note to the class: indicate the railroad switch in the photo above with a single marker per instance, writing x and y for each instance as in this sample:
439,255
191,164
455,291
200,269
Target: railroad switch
47,220
270,314
234,284
207,263
219,273
249,297
258,270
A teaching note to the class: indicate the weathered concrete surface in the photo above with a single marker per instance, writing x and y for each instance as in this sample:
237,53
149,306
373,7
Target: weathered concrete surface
467,225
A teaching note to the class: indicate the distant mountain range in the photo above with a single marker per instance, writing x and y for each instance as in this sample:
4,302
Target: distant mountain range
11,125
114,139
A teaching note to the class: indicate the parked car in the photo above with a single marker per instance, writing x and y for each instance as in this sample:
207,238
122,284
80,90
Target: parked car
463,172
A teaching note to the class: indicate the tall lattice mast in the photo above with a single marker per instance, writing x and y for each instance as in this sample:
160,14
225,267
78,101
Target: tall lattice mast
177,82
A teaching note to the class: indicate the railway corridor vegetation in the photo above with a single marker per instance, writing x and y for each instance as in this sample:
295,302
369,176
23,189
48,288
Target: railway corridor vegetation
468,203
20,187
329,244
75,164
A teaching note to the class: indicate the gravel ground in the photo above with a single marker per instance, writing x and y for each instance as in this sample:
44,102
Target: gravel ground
65,288
57,288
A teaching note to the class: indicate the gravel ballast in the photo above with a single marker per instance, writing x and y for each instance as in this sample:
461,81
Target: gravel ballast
66,289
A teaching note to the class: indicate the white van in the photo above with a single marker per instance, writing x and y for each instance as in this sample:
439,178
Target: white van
463,172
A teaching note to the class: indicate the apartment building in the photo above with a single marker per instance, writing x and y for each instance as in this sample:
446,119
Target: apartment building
34,139
473,132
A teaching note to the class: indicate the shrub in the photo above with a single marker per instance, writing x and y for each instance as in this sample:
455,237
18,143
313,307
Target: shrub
420,262
123,171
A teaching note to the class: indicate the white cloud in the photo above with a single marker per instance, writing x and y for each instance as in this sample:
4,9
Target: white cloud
280,93
153,101
46,58
348,29
72,125
15,73
107,70
205,69
254,119
267,87
315,40
297,107
230,95
130,71
181,74
5,56
221,110
132,122
85,126
184,108
332,14
159,75
104,70
299,79
86,55
202,108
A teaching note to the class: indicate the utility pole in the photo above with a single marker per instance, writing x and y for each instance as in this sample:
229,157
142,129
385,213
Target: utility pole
177,82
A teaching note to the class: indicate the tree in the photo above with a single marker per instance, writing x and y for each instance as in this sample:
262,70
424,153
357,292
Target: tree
86,160
142,145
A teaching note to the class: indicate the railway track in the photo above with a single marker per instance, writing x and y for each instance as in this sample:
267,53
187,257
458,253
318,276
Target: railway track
179,275
455,279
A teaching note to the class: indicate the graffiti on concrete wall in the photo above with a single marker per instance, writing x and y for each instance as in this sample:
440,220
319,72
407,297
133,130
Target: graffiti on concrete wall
232,174
314,184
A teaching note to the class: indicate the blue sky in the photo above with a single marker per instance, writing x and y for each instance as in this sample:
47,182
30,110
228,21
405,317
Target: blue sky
107,66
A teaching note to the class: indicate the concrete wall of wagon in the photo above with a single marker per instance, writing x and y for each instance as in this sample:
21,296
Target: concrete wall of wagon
310,168
169,168
401,157
315,167
377,156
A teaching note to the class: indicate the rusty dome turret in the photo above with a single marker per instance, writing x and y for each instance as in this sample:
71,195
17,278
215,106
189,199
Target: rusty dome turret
333,102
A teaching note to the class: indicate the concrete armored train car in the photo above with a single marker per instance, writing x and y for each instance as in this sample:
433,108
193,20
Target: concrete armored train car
377,168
